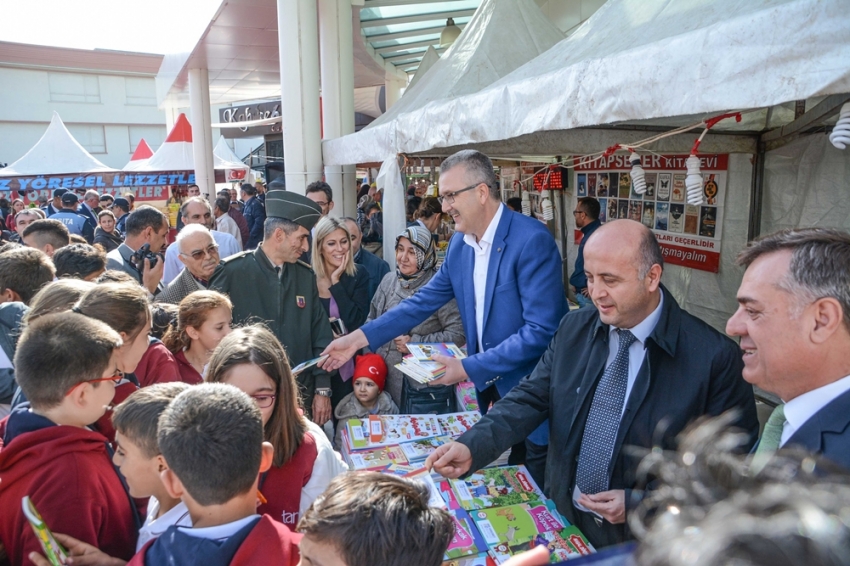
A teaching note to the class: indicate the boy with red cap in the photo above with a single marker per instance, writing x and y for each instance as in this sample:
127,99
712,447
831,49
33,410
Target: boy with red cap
369,397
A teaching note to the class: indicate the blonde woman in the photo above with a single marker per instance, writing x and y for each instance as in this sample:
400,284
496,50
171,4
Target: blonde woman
343,288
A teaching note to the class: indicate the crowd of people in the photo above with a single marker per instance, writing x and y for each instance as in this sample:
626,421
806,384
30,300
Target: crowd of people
152,414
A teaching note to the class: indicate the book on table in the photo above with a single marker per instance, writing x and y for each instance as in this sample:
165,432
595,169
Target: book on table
497,487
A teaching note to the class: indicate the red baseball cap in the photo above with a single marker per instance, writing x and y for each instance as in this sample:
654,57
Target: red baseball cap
371,366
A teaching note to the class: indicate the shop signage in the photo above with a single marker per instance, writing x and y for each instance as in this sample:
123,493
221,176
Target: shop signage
689,235
249,112
145,186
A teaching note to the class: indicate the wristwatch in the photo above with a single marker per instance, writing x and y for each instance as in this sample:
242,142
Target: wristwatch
323,391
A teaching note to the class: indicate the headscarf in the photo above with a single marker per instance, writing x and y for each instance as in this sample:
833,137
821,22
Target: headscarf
426,253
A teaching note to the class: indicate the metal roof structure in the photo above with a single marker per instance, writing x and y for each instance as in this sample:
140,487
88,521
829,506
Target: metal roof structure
399,32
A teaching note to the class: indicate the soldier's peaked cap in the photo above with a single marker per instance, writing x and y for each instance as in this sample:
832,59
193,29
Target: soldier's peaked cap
294,207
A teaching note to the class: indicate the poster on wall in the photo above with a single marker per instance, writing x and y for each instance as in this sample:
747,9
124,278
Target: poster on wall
688,235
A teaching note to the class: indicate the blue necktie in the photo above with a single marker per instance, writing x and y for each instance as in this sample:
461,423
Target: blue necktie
603,421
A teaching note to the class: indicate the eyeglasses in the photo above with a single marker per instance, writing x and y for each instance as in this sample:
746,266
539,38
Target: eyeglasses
264,401
114,379
198,255
578,212
450,197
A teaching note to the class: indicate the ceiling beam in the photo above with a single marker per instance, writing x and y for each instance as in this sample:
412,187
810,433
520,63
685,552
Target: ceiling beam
408,33
406,66
403,46
411,55
377,22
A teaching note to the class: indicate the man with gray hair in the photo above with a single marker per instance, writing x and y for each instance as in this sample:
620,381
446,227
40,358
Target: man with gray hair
633,372
504,269
375,267
198,253
90,207
196,210
794,322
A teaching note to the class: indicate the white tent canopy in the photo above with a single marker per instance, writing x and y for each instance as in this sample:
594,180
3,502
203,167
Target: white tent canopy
499,38
637,60
431,56
224,156
56,153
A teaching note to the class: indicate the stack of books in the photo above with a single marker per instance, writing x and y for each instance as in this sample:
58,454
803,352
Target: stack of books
420,365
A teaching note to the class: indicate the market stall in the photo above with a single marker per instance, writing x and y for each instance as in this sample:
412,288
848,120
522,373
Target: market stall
644,75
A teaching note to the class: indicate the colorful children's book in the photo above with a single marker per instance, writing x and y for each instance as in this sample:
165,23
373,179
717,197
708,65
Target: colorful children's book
497,487
563,545
426,350
376,459
445,488
467,398
467,540
517,524
423,372
384,430
435,500
418,450
455,424
479,560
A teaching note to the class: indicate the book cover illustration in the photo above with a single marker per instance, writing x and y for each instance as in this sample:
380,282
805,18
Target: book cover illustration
567,544
426,350
455,424
377,459
467,540
517,524
418,450
497,487
385,430
467,398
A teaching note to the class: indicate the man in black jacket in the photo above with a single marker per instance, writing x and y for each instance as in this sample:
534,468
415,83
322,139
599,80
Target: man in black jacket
631,373
255,215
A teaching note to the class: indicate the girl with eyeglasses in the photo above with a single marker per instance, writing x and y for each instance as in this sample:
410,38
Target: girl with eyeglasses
252,359
203,320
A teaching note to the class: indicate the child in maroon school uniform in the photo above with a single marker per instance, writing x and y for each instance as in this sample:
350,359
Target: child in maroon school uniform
66,365
252,359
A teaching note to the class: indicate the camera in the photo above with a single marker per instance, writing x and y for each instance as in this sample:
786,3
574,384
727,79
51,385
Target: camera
138,258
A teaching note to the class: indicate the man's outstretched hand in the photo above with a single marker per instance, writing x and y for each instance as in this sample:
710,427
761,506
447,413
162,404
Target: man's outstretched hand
343,349
450,460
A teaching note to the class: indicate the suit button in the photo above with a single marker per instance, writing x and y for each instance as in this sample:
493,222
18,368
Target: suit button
578,389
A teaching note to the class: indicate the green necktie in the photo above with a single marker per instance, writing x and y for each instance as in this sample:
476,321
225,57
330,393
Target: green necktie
770,439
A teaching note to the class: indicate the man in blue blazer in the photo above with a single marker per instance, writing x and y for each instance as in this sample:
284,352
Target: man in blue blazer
505,272
794,322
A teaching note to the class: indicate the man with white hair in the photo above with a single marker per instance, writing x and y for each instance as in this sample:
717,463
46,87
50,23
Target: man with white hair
197,210
90,207
198,253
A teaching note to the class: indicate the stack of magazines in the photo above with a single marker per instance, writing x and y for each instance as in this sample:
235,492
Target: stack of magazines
420,365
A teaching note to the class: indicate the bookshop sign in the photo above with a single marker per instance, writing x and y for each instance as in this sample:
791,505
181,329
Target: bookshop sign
689,235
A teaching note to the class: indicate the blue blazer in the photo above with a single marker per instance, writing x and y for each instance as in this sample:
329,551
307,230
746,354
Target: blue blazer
523,304
827,432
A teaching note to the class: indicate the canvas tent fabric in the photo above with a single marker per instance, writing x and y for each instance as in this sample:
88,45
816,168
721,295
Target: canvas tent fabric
140,157
175,154
224,156
431,56
635,60
56,153
500,37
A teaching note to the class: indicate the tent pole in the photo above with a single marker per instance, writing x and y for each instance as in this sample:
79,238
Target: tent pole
757,194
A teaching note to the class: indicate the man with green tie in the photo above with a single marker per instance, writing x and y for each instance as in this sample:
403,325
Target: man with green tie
794,322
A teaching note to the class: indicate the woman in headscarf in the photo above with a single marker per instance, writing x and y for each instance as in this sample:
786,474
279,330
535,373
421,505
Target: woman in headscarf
415,265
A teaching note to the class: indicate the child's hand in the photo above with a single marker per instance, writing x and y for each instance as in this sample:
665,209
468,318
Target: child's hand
79,554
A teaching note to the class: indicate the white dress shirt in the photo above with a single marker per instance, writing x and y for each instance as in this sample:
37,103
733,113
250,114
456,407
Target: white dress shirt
638,348
227,246
226,224
154,526
482,250
800,409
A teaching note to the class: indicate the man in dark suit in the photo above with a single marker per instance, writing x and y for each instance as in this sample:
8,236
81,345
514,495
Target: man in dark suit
504,269
633,372
255,215
794,322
